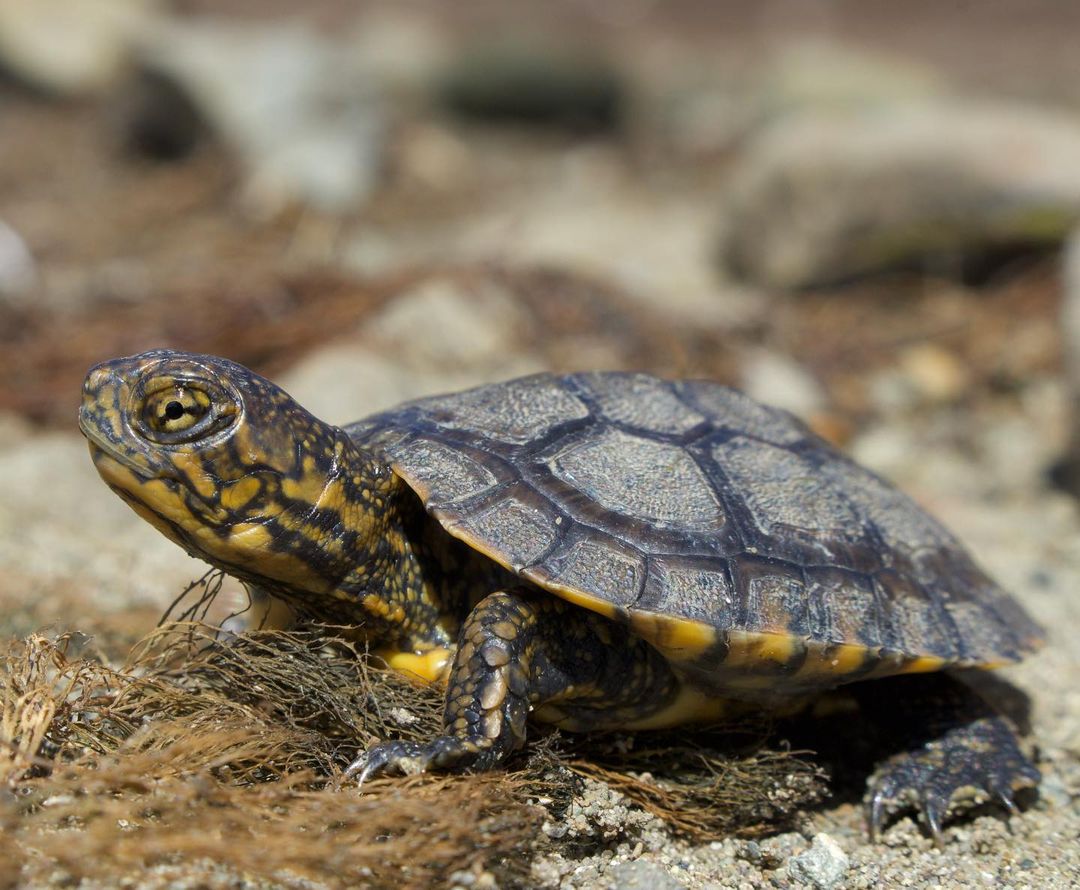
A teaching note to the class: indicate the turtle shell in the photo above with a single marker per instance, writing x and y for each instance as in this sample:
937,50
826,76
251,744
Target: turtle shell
749,551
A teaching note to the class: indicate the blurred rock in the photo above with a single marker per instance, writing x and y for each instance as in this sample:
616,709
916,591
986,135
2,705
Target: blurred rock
890,392
433,157
441,335
303,119
887,448
71,47
656,248
59,521
514,81
18,271
778,380
821,76
401,47
822,866
926,374
447,323
823,198
936,374
1054,792
347,381
705,113
14,429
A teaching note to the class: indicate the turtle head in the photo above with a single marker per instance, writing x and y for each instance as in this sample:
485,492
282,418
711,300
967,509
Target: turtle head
229,466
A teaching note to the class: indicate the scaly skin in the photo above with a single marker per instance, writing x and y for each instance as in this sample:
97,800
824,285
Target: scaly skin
227,465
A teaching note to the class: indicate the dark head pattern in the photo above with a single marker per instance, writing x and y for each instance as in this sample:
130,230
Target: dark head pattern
230,467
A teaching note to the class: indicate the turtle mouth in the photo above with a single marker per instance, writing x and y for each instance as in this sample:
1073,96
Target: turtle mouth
132,481
100,444
102,456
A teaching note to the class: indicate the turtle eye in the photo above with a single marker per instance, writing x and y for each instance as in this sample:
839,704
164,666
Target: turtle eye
175,410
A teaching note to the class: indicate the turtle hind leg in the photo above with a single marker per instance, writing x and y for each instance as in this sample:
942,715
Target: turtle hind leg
983,755
524,649
949,740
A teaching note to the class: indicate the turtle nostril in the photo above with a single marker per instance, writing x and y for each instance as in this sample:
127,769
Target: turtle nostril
92,381
96,378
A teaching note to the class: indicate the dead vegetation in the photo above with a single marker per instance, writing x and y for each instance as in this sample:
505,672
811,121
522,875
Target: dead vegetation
223,759
707,786
214,759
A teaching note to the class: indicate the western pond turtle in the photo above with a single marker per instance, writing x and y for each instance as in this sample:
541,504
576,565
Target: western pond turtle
594,550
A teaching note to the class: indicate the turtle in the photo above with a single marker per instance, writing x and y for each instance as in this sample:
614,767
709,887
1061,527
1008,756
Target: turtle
594,550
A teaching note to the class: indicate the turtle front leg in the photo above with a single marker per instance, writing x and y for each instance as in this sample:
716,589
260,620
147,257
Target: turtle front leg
520,650
950,740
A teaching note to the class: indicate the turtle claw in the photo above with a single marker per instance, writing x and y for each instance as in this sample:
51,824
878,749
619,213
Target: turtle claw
934,809
399,756
876,813
1005,798
983,755
410,758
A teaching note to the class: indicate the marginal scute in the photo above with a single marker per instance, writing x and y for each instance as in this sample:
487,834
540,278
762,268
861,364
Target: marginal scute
917,621
844,605
825,661
784,491
446,473
597,566
775,596
641,478
517,412
700,593
752,654
976,629
641,401
680,640
516,531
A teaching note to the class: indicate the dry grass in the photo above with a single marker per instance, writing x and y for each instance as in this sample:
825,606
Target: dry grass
214,761
715,784
116,770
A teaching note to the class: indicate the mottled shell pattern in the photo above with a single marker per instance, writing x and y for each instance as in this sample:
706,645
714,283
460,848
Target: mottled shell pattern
744,547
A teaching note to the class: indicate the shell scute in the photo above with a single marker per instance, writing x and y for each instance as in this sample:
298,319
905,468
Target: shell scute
650,481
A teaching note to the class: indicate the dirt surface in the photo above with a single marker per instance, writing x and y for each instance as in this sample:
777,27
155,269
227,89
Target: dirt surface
485,252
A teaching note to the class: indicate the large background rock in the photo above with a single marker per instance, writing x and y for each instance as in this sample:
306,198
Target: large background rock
71,47
303,117
820,198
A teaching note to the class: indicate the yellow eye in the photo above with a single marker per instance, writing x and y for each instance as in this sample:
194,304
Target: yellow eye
175,410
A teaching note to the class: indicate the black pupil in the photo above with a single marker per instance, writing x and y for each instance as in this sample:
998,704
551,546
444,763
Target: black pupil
174,411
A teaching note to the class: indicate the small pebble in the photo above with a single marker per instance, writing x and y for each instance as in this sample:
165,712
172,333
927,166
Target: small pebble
643,875
822,866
